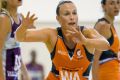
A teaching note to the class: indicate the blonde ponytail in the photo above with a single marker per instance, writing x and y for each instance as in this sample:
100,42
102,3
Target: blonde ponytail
4,4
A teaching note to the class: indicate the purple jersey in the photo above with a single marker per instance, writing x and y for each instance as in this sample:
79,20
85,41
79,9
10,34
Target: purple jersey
11,52
13,63
35,71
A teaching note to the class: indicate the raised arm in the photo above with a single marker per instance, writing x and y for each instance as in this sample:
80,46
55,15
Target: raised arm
24,34
47,35
4,30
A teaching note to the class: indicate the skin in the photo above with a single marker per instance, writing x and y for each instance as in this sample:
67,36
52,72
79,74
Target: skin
111,9
5,28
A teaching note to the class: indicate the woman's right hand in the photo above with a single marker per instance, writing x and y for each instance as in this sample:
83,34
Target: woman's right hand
29,20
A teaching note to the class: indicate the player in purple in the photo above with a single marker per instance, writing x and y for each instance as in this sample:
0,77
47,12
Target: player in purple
36,70
10,53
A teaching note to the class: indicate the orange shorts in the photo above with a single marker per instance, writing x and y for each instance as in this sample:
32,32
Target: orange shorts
51,76
109,70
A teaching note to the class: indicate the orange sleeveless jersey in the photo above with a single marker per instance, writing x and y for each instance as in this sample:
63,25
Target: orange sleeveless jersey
62,61
115,45
111,73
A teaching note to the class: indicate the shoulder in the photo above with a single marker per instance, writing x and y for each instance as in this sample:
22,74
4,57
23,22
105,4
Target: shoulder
86,29
5,21
4,17
90,32
102,25
53,33
28,65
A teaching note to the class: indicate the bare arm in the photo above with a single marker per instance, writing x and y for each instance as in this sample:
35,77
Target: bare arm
4,30
95,65
90,38
95,40
47,35
24,34
24,72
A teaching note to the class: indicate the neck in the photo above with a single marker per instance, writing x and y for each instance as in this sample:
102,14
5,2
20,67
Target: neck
12,11
33,62
67,39
110,18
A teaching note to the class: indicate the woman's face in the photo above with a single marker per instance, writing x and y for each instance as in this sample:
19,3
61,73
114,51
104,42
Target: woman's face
112,7
14,3
68,15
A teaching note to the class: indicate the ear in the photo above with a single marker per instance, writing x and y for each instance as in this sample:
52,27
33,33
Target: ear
57,18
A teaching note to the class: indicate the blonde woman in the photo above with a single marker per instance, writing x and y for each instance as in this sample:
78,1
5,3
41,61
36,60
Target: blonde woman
10,53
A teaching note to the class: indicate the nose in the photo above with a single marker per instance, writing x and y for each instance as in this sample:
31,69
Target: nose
71,17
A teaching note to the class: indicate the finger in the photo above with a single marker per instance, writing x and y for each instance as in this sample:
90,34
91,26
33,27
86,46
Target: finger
28,14
68,34
32,16
74,39
32,21
75,30
72,32
35,18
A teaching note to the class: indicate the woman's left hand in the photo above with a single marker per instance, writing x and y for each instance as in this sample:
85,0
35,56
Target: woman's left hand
76,35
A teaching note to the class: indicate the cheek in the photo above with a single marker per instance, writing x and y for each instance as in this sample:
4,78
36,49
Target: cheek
77,18
64,20
12,2
109,10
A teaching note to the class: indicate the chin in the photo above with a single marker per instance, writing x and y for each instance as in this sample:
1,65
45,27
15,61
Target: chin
116,14
20,4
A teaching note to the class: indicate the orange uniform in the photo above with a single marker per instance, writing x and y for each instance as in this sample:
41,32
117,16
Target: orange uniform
67,67
109,65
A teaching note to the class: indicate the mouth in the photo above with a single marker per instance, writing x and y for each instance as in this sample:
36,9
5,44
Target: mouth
19,0
71,23
116,11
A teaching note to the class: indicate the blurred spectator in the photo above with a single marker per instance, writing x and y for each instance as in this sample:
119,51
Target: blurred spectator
35,70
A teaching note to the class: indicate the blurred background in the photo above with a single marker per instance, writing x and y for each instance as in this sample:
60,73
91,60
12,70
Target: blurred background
89,11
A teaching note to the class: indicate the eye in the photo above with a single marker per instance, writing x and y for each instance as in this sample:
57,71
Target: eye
111,2
66,13
118,2
74,13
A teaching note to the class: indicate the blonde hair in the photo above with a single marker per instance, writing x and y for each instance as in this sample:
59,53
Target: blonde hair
4,4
